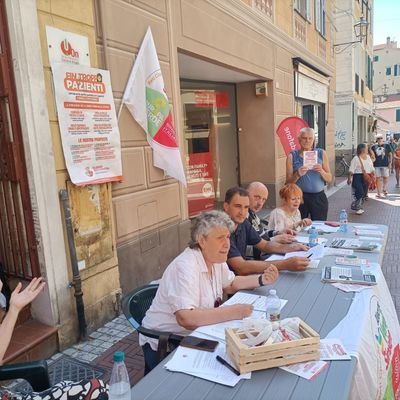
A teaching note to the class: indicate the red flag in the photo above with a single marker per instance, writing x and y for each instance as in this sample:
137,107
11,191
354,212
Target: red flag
288,131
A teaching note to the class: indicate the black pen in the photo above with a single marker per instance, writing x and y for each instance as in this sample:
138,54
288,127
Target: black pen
227,365
309,255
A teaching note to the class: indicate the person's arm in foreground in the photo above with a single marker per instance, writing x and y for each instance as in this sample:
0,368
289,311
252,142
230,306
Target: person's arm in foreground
17,302
192,319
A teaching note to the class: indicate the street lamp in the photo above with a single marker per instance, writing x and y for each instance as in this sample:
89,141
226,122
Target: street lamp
360,31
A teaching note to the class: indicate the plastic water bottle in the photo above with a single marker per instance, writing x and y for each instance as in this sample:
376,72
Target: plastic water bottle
343,221
273,306
312,236
120,388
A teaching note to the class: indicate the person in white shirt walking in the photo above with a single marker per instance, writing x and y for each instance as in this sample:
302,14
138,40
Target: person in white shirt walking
360,163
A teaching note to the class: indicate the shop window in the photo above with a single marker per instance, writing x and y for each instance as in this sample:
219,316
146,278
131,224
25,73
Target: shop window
398,115
320,16
388,70
303,7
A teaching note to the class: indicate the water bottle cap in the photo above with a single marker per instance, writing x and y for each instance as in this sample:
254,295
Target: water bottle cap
272,292
119,356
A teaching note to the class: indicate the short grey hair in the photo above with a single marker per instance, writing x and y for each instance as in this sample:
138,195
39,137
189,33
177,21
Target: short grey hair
306,130
203,223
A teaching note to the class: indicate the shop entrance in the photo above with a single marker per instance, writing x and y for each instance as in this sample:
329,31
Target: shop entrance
211,147
314,115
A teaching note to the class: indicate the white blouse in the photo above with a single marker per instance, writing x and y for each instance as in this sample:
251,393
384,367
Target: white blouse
355,165
279,220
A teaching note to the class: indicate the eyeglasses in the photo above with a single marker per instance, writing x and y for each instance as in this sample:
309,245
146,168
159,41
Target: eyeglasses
217,302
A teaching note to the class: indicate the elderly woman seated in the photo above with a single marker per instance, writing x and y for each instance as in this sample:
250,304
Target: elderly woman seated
193,285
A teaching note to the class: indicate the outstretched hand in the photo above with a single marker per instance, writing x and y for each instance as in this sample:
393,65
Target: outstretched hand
19,299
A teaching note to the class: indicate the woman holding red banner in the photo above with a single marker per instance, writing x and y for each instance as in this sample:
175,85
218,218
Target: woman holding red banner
309,169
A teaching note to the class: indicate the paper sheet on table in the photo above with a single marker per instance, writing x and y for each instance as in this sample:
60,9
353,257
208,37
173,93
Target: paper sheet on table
350,287
330,251
203,364
314,253
370,238
321,226
258,301
305,240
369,232
333,349
367,227
308,370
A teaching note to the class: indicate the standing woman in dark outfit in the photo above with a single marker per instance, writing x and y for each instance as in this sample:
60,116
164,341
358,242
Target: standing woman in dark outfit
310,181
361,162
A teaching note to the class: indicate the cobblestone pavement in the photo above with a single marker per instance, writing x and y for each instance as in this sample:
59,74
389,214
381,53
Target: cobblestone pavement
119,335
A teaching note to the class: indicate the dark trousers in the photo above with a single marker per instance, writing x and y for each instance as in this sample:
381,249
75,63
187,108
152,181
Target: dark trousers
315,206
360,190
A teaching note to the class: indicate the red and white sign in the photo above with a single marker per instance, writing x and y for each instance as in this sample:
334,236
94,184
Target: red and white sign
288,130
88,124
200,188
67,47
210,98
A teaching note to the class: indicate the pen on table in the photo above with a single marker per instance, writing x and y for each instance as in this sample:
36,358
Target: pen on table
229,366
309,256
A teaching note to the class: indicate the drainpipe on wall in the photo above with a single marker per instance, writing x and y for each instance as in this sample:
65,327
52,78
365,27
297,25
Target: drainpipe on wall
76,278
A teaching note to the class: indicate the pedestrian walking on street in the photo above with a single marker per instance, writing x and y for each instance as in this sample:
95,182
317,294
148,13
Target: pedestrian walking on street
396,162
360,164
383,157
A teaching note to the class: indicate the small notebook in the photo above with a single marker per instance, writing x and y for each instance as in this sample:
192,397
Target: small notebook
353,244
347,275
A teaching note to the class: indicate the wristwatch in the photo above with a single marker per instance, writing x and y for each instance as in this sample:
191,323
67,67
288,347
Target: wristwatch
260,282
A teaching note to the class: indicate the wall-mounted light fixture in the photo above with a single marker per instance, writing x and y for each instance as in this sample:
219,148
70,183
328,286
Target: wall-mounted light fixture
360,31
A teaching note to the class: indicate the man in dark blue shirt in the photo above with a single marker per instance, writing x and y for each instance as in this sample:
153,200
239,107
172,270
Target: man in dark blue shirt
383,158
236,205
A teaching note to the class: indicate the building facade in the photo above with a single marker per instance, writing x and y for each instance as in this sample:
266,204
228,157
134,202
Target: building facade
354,90
386,68
233,70
387,108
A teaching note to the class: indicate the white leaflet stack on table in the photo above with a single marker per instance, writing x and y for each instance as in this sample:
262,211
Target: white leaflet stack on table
369,232
322,227
305,240
308,370
352,261
204,364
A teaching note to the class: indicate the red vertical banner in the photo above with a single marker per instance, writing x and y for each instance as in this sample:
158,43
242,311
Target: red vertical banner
200,189
288,130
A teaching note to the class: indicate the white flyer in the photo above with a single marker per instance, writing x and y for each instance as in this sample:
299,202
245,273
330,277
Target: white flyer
333,349
310,158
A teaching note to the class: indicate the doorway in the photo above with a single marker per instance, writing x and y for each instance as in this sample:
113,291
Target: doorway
314,115
211,143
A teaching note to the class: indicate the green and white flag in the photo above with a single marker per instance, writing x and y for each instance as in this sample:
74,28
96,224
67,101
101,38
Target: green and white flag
147,101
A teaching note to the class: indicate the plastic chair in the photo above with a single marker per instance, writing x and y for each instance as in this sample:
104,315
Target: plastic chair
35,372
134,307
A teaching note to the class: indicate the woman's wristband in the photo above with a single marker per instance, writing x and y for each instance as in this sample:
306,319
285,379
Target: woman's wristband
260,281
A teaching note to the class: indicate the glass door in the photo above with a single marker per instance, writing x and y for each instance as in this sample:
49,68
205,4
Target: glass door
209,111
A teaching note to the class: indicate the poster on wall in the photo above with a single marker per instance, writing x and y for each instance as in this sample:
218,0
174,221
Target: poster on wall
200,184
67,47
88,124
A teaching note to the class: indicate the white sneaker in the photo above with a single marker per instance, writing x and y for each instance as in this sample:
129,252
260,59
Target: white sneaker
360,211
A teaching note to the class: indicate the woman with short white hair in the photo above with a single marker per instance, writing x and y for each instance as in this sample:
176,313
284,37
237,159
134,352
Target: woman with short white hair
193,285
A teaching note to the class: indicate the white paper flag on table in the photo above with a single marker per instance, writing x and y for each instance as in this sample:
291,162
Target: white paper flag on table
146,99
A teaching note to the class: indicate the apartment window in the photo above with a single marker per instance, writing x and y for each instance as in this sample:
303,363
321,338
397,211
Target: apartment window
398,115
362,87
396,70
369,76
320,16
388,70
357,83
376,58
303,7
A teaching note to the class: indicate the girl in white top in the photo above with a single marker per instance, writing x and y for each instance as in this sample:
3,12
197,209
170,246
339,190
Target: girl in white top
287,215
356,179
192,287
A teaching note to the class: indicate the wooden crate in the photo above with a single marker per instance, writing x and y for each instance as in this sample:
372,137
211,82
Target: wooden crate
273,355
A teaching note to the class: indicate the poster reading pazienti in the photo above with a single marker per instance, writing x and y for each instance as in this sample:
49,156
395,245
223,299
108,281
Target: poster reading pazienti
88,124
